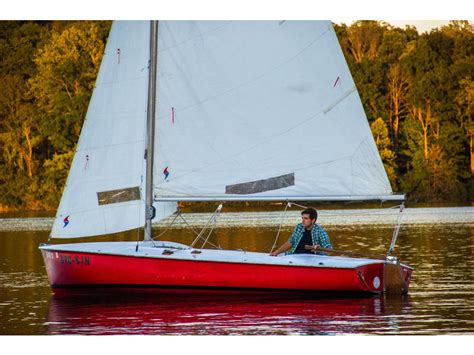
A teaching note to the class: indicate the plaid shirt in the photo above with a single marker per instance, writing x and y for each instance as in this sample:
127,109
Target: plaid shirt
318,234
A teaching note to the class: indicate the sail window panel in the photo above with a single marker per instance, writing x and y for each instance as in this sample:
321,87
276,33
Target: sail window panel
269,184
118,196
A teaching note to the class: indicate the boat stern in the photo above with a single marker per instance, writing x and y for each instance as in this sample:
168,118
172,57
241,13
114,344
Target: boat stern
371,277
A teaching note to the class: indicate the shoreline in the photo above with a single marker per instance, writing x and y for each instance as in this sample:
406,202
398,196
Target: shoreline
355,217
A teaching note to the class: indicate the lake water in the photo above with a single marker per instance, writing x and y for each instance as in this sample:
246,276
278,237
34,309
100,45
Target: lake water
440,300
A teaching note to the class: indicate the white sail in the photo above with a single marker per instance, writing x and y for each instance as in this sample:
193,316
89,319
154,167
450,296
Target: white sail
245,110
104,192
260,110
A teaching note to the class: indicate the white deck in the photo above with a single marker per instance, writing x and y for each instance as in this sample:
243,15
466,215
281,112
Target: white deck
183,252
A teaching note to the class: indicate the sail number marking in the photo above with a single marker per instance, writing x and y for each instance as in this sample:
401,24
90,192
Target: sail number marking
75,260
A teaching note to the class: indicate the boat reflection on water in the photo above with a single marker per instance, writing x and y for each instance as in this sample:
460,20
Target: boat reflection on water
223,313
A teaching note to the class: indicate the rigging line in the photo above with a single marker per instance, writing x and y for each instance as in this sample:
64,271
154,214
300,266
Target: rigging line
195,232
279,228
396,230
206,225
211,244
169,225
213,226
214,220
310,44
198,235
293,203
189,226
209,234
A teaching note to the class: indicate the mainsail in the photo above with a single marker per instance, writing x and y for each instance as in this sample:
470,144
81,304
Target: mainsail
260,110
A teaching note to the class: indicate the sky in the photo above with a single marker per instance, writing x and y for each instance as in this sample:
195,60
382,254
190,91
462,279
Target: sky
434,12
421,25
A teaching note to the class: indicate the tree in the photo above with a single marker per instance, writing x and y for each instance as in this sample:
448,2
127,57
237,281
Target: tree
432,173
382,140
66,70
47,72
67,67
364,38
19,134
465,101
398,87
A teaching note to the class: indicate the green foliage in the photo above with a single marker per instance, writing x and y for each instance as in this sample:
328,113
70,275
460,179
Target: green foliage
66,70
47,73
421,86
434,164
417,91
382,140
19,133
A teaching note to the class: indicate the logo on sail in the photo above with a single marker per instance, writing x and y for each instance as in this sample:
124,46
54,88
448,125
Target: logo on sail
66,221
166,173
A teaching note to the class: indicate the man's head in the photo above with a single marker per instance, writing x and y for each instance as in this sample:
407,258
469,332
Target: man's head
309,217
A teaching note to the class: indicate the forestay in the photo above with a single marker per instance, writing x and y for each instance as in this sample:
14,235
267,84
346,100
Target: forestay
103,193
260,110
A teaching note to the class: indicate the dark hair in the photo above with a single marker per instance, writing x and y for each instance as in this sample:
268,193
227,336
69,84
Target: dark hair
313,214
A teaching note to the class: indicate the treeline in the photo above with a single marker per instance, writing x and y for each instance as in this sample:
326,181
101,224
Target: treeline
418,93
417,90
47,73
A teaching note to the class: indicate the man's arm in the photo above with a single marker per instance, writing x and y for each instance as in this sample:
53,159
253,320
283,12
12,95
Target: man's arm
285,247
324,238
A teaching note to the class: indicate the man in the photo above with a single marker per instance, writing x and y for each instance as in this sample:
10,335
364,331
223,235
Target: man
306,233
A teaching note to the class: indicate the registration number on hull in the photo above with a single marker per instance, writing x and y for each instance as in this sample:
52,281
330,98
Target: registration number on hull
75,260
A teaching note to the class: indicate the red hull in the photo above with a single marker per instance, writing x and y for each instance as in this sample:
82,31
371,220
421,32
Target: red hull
84,270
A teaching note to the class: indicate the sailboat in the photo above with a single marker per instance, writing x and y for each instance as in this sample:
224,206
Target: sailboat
217,111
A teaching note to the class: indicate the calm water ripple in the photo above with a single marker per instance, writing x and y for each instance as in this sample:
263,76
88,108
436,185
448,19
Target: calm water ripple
440,300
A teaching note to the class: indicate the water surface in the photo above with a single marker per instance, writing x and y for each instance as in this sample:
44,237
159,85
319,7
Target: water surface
440,300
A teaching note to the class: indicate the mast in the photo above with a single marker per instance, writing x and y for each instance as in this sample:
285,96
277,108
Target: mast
149,209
